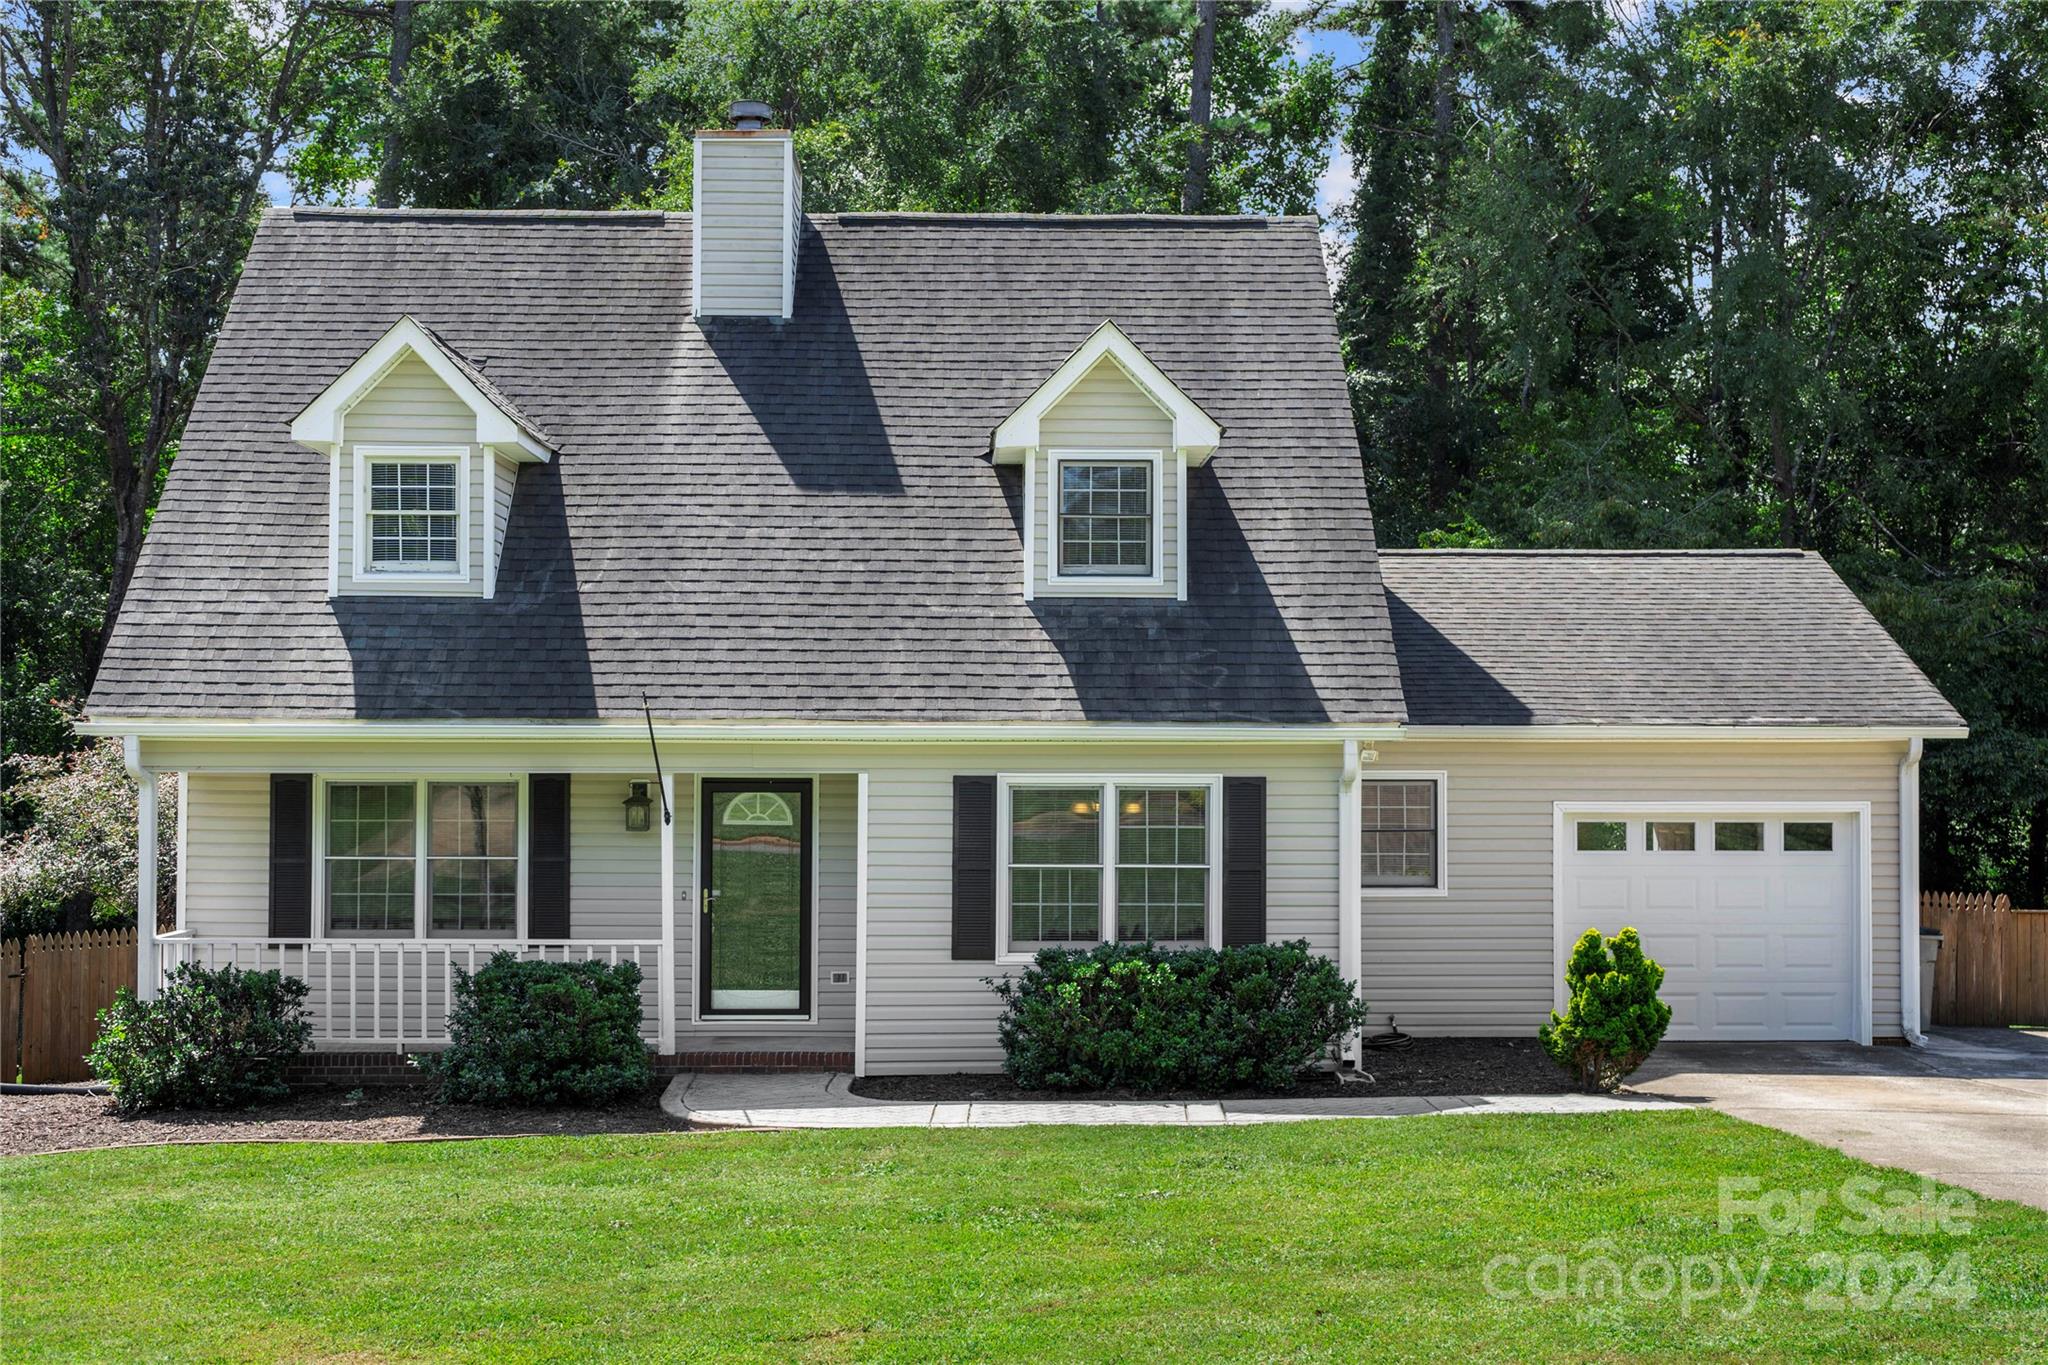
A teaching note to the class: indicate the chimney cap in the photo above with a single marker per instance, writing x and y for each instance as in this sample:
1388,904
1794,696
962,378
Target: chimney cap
749,115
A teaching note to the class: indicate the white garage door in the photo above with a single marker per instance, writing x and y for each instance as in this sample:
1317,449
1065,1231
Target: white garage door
1753,916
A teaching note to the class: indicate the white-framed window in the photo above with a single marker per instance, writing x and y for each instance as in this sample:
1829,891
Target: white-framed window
1106,516
421,857
412,512
1090,860
1404,834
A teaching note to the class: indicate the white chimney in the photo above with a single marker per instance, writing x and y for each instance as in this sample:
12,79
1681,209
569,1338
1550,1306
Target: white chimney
747,214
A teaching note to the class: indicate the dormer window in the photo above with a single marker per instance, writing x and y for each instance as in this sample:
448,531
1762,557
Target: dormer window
1105,447
425,455
1108,524
414,512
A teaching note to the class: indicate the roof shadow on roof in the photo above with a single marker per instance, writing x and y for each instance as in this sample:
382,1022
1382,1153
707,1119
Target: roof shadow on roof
1442,683
522,654
806,384
1226,654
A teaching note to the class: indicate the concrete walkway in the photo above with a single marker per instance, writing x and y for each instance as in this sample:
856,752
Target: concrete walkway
822,1100
1970,1108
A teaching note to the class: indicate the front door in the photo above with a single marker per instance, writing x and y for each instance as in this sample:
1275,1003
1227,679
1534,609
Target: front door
754,913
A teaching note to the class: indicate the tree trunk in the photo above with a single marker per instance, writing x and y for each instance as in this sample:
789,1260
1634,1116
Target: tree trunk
1444,462
394,149
1196,185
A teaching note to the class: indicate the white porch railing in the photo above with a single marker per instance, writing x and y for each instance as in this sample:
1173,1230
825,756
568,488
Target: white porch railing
396,991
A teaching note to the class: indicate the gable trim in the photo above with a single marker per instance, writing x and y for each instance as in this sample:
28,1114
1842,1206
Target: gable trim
1195,433
319,424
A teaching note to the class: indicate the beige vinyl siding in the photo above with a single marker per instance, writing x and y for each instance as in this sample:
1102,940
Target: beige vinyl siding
411,406
226,858
1475,961
1105,411
740,226
1479,960
504,482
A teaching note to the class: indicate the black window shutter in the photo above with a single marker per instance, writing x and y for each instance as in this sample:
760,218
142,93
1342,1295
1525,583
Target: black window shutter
974,869
547,856
291,855
1244,860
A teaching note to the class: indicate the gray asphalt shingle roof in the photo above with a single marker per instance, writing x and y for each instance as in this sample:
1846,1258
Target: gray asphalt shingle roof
1682,637
763,520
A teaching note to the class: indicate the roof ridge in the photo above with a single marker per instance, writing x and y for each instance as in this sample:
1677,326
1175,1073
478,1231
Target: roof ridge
1068,219
558,215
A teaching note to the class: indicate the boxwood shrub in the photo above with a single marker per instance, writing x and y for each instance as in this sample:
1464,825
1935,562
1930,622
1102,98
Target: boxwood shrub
1141,1017
543,1033
212,1039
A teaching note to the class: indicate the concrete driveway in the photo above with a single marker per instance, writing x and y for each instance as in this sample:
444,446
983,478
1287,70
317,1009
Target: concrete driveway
1971,1108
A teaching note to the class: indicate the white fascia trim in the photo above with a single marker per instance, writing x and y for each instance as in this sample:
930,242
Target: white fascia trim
1195,433
747,732
1860,811
319,423
1684,733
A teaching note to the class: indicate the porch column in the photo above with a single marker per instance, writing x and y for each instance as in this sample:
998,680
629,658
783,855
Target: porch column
145,869
665,989
860,925
1350,933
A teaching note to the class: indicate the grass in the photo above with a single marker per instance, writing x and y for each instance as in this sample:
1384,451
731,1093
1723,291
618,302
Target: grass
1342,1240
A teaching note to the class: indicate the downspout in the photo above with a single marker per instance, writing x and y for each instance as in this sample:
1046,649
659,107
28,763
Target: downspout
1350,932
1909,894
145,867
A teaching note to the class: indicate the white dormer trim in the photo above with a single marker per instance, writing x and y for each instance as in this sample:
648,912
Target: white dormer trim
319,423
1195,433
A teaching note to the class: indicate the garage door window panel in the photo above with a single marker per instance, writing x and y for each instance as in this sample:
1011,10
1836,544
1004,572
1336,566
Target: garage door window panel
1669,836
1803,836
1602,836
1738,836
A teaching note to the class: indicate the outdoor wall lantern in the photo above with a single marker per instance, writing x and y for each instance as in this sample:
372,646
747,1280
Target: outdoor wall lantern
639,809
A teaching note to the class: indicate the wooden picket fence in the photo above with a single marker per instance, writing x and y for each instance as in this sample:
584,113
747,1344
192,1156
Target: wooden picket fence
49,1025
1994,960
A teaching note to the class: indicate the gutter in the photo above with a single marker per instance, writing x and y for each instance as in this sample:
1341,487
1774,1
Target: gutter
1909,895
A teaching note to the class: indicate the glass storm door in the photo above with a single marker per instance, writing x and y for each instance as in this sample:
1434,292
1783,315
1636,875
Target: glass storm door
754,931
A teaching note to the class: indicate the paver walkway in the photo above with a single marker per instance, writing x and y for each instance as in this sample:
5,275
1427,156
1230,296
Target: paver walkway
824,1100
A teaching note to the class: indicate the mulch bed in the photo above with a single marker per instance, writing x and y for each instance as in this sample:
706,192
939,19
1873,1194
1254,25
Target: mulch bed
387,1113
1427,1066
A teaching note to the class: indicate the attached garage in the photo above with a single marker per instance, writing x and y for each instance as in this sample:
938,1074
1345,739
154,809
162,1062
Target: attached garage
1760,914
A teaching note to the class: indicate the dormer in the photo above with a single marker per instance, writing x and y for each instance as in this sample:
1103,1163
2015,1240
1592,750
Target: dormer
424,456
1105,445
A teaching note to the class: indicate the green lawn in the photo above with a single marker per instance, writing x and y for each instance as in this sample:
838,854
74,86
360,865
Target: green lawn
1345,1240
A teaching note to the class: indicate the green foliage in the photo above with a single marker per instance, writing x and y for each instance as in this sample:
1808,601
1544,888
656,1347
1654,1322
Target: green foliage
211,1040
1143,1017
1731,274
1612,1018
71,842
543,1033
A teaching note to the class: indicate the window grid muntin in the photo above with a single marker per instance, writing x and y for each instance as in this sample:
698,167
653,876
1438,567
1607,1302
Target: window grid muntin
414,514
472,857
1055,899
1106,518
375,824
1162,874
1399,832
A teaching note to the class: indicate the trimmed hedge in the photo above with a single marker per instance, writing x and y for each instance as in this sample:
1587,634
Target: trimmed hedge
212,1039
1141,1017
543,1033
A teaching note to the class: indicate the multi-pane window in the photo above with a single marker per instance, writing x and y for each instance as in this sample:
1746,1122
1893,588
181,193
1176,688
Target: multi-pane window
1055,866
1398,840
414,515
1162,864
378,870
370,857
473,857
1105,517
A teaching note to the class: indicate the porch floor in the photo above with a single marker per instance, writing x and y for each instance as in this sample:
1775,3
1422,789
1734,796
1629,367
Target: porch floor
823,1100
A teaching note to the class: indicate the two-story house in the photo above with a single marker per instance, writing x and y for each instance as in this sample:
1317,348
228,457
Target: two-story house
828,611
